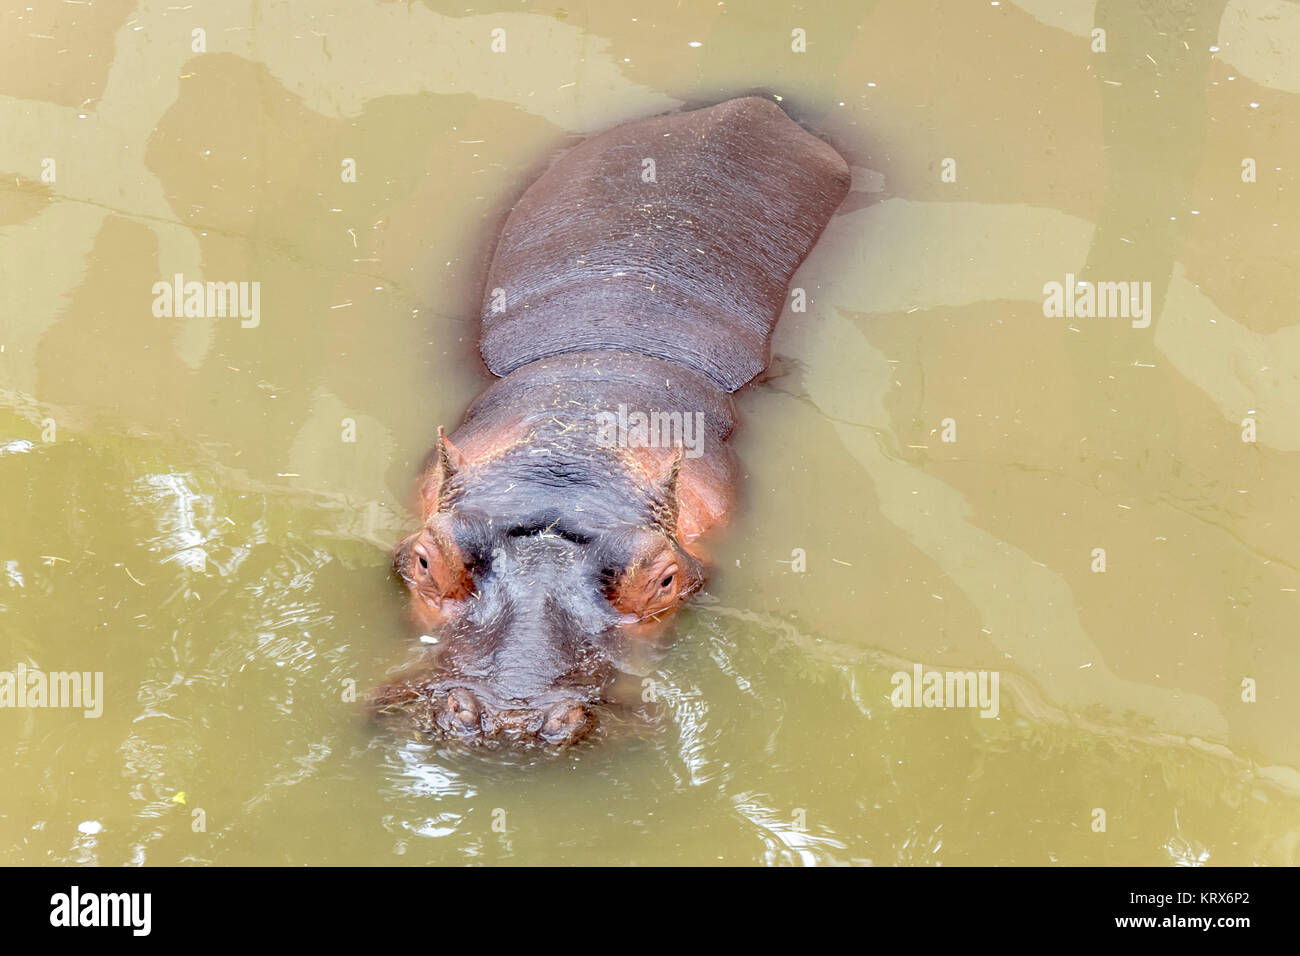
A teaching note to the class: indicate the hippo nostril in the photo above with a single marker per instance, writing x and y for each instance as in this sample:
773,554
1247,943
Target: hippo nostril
461,712
566,722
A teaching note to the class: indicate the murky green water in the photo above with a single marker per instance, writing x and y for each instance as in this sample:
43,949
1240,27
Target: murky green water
183,511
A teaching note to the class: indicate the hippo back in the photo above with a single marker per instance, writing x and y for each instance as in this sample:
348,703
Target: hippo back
674,237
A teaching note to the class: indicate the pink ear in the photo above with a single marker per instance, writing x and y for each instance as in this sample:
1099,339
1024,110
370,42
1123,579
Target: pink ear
451,458
668,512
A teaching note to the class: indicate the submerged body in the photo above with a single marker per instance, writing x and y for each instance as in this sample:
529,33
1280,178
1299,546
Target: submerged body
634,287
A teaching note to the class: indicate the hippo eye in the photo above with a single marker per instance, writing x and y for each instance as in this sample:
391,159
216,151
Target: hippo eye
433,566
655,581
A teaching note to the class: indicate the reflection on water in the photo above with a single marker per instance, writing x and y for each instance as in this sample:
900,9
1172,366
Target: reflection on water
202,511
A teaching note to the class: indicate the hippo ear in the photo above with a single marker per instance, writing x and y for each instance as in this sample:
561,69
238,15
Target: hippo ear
450,458
450,461
669,504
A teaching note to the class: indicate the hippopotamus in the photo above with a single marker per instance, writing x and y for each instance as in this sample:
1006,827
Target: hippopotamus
633,289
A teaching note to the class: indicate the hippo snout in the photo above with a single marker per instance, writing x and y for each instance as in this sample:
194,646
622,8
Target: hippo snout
466,716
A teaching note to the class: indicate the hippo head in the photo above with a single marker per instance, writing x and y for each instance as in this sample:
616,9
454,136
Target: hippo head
533,580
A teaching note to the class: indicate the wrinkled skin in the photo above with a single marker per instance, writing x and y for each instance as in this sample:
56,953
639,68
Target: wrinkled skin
548,553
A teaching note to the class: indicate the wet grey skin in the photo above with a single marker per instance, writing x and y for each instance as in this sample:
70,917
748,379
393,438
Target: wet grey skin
546,553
